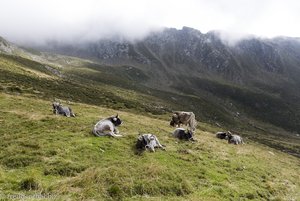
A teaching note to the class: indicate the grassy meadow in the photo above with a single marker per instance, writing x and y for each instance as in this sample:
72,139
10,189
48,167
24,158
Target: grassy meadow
53,155
49,157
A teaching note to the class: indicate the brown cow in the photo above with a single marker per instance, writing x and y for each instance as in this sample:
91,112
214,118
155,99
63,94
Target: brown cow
185,118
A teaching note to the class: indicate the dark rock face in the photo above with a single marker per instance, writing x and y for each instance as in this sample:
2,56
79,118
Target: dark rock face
190,52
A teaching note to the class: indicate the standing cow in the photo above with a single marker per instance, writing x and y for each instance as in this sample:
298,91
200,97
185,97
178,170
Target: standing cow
185,118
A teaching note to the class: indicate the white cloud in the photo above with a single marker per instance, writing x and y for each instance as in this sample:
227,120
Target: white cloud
38,20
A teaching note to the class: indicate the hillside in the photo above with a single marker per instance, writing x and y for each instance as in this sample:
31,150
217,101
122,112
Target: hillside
56,156
124,87
259,77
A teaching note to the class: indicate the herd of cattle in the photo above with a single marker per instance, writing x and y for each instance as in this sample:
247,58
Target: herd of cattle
108,127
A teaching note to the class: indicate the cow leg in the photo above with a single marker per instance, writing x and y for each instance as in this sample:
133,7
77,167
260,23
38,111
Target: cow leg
116,131
114,135
151,145
71,112
98,133
192,139
158,143
67,112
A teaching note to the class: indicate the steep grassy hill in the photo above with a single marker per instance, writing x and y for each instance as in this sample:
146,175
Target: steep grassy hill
50,76
56,156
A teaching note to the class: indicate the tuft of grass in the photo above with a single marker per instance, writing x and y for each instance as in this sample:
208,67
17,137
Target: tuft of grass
63,168
29,184
19,161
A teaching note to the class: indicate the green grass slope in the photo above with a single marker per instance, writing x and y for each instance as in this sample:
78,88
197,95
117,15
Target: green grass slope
52,155
43,154
78,80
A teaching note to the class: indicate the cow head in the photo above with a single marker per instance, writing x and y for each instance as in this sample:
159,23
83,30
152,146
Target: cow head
175,120
116,120
55,106
151,144
189,135
229,135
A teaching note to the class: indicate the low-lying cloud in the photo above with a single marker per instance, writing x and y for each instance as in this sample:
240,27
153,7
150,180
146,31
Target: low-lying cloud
76,20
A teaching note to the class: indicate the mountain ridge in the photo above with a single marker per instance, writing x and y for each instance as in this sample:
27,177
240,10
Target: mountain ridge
190,62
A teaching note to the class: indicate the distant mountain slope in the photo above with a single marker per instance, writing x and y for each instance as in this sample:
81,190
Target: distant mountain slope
7,47
259,76
189,52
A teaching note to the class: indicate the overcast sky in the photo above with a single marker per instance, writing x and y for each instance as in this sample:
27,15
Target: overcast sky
37,20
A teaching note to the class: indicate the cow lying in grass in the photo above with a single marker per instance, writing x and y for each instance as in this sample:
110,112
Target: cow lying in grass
58,108
148,141
234,139
183,134
108,126
222,135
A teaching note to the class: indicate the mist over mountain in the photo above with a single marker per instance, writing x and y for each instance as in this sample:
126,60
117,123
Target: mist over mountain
190,52
37,22
259,76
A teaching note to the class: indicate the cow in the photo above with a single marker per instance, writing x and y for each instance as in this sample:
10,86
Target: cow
185,118
183,134
58,108
148,141
222,135
234,139
108,127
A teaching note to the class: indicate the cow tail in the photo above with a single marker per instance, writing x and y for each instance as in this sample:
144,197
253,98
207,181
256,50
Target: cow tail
193,122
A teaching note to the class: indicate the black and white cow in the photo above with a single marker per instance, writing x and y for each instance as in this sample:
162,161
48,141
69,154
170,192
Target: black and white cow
58,108
222,135
148,141
108,126
234,139
183,134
